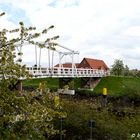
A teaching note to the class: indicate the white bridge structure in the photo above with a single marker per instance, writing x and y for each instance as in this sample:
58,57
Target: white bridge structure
65,72
51,71
37,71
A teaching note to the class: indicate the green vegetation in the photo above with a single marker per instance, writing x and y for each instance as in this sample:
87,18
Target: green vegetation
36,114
119,120
113,122
116,86
28,116
24,115
119,69
52,83
119,86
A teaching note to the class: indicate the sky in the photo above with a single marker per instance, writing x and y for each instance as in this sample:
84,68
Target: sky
99,29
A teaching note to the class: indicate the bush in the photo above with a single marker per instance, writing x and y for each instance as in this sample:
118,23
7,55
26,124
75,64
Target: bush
86,92
27,115
107,124
132,94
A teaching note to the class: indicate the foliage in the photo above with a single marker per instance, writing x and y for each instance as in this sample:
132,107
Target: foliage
126,71
28,116
109,122
117,67
23,115
85,92
134,73
11,68
71,84
66,87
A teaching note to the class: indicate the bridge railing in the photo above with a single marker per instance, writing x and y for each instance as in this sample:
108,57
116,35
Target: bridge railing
66,72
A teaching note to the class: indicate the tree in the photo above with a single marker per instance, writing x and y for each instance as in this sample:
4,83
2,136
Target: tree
10,70
26,115
126,71
117,67
135,73
138,73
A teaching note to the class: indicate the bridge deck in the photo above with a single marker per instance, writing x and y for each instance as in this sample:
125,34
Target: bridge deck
65,72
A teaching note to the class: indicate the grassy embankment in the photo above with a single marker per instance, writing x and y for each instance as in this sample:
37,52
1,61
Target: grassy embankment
117,86
51,83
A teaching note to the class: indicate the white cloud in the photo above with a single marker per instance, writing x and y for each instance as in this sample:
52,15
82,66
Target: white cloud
97,28
5,23
133,31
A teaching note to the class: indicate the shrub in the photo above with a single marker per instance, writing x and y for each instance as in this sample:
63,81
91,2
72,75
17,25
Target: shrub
27,116
86,92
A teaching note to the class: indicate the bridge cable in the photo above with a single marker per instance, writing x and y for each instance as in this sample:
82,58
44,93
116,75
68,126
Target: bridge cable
35,55
49,56
52,58
40,58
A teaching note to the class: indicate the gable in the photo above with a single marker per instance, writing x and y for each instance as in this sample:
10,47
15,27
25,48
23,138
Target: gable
84,64
93,64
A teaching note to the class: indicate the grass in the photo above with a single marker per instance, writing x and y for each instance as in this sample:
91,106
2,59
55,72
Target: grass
52,83
118,85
